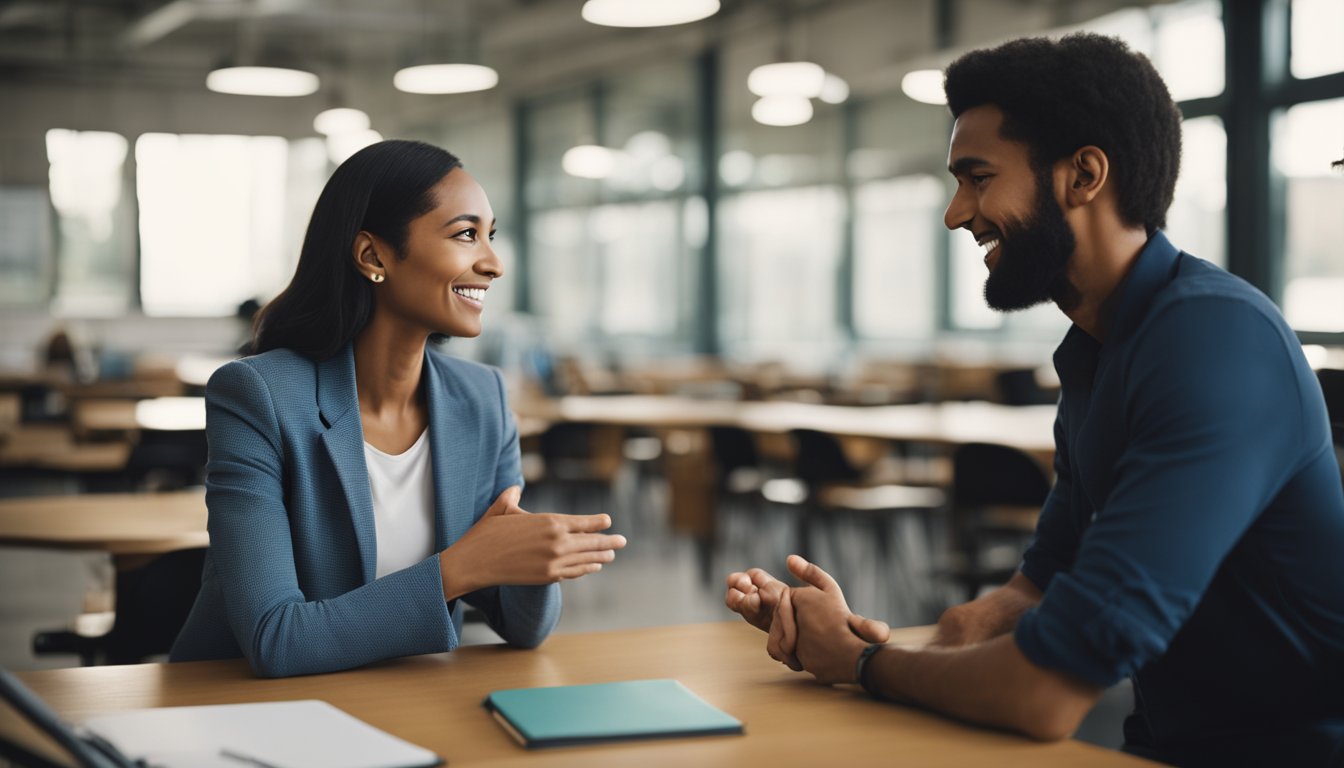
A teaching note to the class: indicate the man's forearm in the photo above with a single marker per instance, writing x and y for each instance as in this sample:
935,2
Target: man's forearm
987,617
990,683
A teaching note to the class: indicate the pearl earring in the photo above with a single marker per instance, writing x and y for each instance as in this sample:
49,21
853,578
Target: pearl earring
375,277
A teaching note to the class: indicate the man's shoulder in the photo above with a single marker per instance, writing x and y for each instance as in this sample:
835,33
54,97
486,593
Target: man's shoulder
1200,286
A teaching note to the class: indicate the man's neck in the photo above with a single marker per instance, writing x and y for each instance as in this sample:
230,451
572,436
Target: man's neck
1104,255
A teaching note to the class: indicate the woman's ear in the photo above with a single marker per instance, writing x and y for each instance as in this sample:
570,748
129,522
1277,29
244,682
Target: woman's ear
365,253
1088,171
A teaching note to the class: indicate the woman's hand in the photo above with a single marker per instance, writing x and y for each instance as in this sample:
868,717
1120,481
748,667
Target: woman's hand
510,545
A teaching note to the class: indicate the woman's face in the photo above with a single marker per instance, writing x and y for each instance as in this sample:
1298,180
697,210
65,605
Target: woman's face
440,285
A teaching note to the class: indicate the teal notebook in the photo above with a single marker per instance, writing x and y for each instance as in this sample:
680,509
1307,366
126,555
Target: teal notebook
587,714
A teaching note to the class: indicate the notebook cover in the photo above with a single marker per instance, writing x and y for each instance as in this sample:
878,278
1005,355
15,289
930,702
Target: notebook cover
586,714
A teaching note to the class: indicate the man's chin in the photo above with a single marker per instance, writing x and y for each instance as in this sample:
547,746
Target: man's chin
1011,298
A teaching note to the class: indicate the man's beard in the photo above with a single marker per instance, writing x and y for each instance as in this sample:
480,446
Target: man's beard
1033,259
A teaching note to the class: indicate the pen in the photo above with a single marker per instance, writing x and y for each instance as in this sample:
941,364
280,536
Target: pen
232,755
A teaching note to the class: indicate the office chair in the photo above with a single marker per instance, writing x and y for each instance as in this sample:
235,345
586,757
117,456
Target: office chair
997,493
1019,386
738,513
892,521
580,463
152,603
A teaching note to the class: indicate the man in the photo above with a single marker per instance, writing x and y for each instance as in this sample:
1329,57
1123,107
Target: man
1194,538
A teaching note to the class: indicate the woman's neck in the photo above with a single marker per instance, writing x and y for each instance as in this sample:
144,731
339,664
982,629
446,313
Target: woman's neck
387,370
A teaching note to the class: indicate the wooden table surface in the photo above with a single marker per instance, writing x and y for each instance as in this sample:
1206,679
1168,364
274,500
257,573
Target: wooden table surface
1030,428
159,413
116,523
53,446
435,701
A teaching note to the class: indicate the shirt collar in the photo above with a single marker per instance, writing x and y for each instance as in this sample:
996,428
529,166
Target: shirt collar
1150,273
1152,270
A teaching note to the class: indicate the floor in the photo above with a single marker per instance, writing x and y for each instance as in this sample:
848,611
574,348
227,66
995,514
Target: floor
656,580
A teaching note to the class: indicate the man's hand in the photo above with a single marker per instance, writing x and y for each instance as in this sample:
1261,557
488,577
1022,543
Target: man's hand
510,545
754,595
825,606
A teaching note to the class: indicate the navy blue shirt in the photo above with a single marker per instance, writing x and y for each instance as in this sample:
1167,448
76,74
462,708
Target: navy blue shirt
1194,539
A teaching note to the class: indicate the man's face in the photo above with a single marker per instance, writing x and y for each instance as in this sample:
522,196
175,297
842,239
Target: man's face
1012,212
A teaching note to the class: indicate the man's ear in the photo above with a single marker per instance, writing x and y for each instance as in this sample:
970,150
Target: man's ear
1086,176
365,252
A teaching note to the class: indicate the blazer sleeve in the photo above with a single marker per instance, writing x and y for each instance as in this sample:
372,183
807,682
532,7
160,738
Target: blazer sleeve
522,615
278,629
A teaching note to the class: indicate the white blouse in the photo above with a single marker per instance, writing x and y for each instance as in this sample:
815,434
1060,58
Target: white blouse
403,504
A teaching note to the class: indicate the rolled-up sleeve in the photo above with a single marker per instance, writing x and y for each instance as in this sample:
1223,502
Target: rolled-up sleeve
1213,415
1056,537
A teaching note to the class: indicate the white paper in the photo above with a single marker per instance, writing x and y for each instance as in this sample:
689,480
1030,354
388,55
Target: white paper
282,734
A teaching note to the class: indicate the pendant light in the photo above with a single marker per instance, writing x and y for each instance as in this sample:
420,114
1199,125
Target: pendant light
249,74
647,13
447,63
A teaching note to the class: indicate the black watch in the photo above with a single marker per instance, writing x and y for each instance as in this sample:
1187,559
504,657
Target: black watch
861,667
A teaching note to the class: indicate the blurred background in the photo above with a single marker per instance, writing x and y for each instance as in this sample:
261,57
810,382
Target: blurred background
732,316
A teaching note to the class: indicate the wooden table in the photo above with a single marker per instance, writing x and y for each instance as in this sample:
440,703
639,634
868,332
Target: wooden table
169,414
125,525
1030,428
53,446
435,701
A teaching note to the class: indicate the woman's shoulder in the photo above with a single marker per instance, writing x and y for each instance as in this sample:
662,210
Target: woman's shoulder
280,369
473,378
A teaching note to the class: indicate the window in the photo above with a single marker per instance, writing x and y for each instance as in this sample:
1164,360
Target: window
1307,137
1188,48
217,222
967,272
95,245
639,247
1316,37
25,250
1184,40
778,259
1197,218
897,229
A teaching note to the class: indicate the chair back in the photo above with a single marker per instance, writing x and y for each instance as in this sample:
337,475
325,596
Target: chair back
734,448
986,474
821,460
1332,386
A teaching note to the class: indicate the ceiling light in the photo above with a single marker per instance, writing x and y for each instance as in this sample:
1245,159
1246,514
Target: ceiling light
782,110
589,161
338,120
445,78
925,86
668,173
834,90
342,145
736,167
647,13
262,81
787,78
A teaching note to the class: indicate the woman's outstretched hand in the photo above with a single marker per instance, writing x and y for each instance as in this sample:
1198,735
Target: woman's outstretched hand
510,545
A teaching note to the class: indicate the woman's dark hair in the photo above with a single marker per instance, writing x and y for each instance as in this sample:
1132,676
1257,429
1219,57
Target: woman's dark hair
1083,89
380,189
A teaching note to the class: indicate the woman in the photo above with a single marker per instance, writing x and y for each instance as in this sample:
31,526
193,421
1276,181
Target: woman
360,485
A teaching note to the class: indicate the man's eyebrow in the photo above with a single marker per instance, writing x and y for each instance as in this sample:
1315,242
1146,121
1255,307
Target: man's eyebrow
963,165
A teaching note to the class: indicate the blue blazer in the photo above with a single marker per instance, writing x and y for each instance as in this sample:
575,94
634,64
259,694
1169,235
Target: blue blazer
289,579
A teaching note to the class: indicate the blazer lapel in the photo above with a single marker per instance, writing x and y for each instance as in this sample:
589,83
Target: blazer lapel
454,444
338,406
